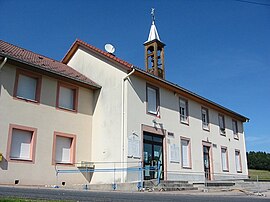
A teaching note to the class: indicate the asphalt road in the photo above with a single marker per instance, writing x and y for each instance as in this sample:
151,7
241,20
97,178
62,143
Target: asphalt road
60,194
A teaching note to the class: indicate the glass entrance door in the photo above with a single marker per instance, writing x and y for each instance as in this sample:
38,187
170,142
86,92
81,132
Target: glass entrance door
153,153
206,162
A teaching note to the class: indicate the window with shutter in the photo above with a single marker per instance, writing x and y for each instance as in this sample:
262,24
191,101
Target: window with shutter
64,148
21,142
27,86
224,159
238,161
221,121
183,111
67,97
235,129
185,153
152,100
205,119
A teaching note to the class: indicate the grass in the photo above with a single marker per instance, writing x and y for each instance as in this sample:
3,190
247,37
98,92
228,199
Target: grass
7,199
262,174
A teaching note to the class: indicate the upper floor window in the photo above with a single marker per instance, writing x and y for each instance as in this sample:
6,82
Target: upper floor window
205,119
27,86
67,97
21,143
183,110
235,129
152,95
221,122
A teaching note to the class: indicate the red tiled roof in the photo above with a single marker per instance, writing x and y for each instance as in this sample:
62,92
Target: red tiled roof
112,57
44,63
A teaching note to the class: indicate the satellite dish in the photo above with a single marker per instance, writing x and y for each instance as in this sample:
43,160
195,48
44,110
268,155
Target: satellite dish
109,48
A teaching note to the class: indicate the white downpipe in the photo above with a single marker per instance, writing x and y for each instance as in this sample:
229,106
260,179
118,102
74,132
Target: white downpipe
123,123
3,63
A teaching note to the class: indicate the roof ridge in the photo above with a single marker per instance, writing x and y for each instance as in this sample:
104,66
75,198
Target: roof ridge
79,42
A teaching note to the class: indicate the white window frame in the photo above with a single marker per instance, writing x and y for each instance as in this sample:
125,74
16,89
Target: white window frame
187,156
238,163
235,129
183,110
205,118
221,123
155,110
224,159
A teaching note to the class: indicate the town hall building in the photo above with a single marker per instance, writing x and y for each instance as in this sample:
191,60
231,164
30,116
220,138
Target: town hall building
95,111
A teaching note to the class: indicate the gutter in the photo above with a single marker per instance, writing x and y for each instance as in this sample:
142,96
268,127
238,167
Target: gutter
123,122
3,63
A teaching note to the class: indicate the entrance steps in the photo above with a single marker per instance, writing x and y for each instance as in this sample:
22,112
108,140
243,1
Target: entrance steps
215,185
168,185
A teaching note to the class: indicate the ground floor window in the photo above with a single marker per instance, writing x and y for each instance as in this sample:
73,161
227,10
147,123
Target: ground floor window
185,153
21,143
238,161
224,159
64,148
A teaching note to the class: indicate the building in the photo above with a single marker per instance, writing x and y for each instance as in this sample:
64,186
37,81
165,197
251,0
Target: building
95,107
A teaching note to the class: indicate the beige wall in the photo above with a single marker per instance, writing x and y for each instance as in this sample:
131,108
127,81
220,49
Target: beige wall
46,119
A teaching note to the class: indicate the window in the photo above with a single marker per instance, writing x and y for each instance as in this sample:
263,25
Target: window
221,122
64,148
205,119
183,110
224,159
21,143
185,153
67,97
235,129
152,100
27,86
238,161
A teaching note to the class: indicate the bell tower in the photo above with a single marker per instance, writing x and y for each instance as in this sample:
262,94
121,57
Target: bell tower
154,51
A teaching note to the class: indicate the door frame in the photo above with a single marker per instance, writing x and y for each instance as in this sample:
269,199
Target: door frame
158,132
208,144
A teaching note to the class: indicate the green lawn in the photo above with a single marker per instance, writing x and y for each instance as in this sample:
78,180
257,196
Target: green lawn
23,200
262,174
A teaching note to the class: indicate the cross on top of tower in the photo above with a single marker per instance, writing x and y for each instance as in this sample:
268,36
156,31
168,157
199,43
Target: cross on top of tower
153,15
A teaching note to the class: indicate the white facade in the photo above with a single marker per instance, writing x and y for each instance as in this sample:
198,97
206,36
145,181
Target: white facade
122,107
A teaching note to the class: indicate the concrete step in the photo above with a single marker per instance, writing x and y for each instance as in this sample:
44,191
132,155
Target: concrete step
167,185
219,184
175,185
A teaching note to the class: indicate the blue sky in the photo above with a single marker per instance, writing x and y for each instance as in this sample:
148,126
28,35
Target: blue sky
219,49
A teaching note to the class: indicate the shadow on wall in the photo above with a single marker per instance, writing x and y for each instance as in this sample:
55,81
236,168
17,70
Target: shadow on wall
48,90
87,175
4,164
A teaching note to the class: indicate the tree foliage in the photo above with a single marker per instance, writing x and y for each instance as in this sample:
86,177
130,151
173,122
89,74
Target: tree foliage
258,160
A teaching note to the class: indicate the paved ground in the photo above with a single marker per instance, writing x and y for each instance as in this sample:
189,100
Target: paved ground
86,195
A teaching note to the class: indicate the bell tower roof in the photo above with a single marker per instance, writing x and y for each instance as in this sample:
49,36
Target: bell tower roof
153,34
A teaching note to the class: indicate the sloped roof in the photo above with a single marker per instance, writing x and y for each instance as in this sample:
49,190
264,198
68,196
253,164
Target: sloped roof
142,73
43,63
102,53
153,34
